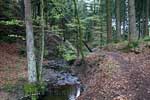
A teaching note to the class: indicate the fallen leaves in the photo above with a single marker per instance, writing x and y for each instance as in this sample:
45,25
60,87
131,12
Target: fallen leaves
12,65
117,76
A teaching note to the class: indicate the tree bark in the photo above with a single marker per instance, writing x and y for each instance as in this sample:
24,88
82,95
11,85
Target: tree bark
147,18
40,43
132,22
109,21
80,33
32,75
124,17
118,22
101,26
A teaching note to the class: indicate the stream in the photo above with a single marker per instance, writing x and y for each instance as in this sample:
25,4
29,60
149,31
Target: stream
63,93
62,83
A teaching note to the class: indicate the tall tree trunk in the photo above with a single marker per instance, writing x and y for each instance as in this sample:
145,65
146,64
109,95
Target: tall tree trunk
94,7
143,18
132,22
147,18
41,43
118,24
109,21
139,33
80,33
124,17
100,35
32,75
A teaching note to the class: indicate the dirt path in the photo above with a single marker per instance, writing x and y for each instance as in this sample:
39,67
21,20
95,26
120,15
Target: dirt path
130,81
133,71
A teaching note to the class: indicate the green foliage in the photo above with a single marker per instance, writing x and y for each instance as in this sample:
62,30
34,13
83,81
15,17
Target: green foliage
147,38
45,52
116,41
7,39
32,90
22,51
67,51
10,9
36,21
12,22
8,87
10,38
133,44
57,30
130,46
69,55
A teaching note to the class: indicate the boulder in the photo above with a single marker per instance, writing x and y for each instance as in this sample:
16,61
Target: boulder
54,73
57,48
52,42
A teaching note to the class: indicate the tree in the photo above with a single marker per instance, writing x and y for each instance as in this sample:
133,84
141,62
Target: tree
147,18
109,21
32,75
143,18
40,51
79,34
118,22
124,16
132,21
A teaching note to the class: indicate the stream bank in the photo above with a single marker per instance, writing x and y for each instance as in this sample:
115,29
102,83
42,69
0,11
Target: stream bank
62,84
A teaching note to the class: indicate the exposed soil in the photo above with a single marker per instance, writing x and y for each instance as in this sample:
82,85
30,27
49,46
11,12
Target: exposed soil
12,65
118,76
107,75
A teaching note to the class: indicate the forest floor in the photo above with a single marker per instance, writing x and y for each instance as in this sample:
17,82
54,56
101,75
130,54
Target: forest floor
116,75
106,74
12,64
12,69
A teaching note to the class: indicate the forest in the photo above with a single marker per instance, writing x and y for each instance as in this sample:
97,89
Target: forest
74,49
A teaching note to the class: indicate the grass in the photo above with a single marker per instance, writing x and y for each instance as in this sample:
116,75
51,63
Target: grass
147,38
12,22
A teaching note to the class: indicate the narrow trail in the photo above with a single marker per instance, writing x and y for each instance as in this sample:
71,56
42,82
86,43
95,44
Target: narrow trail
133,72
128,77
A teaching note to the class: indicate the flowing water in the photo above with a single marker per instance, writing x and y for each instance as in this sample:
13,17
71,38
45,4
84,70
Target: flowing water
65,85
63,93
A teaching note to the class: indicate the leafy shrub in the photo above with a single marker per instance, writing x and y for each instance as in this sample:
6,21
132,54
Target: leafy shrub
133,44
130,46
7,39
12,22
8,87
32,90
67,51
22,51
147,38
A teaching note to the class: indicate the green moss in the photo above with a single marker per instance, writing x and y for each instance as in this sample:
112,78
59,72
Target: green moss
8,87
33,89
130,46
67,51
133,44
147,38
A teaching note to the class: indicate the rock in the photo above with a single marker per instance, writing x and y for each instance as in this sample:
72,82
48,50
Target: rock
136,50
148,44
49,76
59,78
57,48
54,73
52,42
57,64
120,98
6,96
67,79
